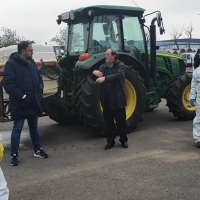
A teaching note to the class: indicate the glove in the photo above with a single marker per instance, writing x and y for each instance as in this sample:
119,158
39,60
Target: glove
192,102
1,150
28,100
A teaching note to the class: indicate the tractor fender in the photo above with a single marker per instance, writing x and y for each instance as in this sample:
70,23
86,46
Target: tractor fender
127,59
100,59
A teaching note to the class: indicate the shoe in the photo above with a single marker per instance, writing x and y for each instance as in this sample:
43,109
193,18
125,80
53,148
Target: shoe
14,160
40,153
124,145
198,144
109,146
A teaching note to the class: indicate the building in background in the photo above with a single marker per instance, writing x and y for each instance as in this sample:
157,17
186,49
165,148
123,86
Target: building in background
169,45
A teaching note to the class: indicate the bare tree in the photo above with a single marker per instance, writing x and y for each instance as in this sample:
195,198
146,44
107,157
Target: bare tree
9,37
175,34
60,37
188,31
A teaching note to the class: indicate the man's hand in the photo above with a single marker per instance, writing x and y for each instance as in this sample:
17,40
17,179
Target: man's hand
28,100
192,102
97,73
100,80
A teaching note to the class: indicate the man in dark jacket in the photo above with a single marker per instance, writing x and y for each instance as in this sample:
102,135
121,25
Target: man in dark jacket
23,83
111,76
197,59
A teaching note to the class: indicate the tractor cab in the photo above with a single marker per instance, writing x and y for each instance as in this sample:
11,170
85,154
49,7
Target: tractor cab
104,32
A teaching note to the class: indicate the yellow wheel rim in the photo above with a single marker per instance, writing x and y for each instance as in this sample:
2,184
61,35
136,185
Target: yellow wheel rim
131,98
186,99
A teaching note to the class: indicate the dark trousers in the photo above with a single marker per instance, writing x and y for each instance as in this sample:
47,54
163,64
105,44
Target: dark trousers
119,115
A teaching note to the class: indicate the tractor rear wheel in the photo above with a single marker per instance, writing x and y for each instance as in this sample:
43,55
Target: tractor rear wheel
178,94
89,102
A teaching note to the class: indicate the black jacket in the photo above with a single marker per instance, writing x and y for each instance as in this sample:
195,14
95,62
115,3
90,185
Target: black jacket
116,81
197,60
22,77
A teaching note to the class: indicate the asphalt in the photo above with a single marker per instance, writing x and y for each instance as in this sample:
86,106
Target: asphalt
161,162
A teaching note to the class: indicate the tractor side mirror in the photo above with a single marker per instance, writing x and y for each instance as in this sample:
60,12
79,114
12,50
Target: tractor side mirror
159,19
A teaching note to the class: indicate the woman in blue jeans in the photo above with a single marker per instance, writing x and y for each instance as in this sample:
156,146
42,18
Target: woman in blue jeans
23,83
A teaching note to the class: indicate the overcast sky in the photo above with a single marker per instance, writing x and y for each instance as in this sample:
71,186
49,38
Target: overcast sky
36,19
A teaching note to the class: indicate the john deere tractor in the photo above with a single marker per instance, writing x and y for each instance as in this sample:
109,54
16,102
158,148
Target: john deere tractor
150,75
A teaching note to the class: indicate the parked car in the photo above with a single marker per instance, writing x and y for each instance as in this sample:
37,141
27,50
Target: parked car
62,50
189,58
57,51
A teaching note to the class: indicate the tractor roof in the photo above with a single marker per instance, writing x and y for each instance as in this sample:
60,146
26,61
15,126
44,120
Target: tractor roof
112,8
82,13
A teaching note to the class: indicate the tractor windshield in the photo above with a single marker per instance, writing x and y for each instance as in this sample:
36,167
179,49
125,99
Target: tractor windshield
105,33
123,33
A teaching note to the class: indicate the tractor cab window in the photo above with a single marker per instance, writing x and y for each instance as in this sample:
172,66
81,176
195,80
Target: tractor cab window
78,34
105,34
133,36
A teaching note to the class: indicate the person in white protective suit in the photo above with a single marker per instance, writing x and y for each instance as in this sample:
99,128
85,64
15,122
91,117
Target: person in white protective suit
4,192
195,96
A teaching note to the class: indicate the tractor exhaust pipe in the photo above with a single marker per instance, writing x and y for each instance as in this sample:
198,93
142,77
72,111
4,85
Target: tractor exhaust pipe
153,51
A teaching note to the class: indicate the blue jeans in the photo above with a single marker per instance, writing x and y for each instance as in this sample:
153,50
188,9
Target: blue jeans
33,130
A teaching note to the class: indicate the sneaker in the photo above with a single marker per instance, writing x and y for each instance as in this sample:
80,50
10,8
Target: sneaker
40,153
14,160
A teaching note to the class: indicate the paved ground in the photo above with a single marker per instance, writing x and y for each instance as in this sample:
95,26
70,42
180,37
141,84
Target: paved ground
161,162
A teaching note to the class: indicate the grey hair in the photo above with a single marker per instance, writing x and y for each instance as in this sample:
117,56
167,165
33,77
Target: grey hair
114,53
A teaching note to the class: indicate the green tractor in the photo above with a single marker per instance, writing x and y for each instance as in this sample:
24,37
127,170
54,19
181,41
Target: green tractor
150,74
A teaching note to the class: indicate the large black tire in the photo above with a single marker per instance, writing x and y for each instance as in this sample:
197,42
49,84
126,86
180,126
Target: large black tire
89,103
177,97
58,113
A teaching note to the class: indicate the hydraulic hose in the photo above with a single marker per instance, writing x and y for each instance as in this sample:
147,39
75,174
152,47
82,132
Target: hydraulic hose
51,72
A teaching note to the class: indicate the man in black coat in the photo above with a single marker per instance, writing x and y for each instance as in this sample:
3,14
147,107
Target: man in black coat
23,83
111,76
197,59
